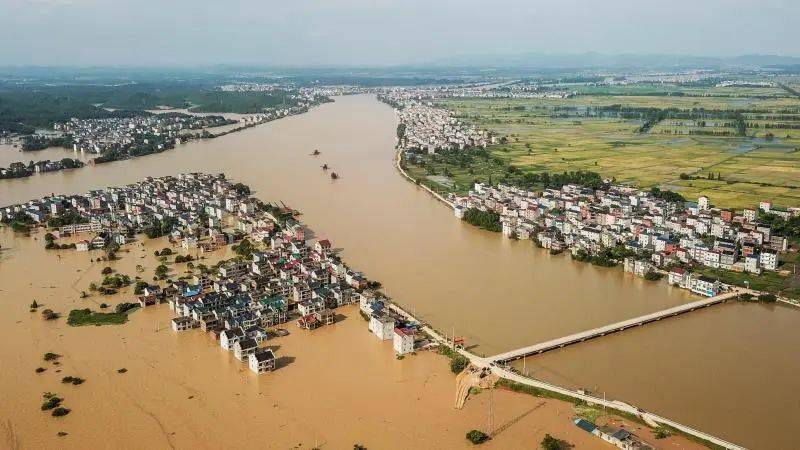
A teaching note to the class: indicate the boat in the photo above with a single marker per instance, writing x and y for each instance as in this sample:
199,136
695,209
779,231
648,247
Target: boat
315,152
334,176
324,167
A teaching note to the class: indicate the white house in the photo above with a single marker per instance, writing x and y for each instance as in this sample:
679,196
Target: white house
382,326
703,203
243,348
769,260
705,286
751,264
182,324
189,242
677,276
403,340
262,361
228,338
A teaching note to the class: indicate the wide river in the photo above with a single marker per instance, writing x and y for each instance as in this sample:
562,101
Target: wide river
729,370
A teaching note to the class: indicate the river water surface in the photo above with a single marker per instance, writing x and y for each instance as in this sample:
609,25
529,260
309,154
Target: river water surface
728,370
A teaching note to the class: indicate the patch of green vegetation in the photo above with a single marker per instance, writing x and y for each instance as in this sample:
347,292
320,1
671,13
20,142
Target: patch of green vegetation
73,380
138,289
767,281
606,257
552,443
477,437
51,402
653,276
82,317
49,314
457,361
662,433
587,412
60,411
484,219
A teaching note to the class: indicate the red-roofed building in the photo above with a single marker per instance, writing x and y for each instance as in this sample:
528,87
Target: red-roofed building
322,246
403,340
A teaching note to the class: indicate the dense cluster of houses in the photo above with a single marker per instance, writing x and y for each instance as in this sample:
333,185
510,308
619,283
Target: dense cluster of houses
21,170
308,95
281,277
657,234
486,89
120,133
425,127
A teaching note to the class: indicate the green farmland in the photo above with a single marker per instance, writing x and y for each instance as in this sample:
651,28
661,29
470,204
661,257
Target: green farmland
693,156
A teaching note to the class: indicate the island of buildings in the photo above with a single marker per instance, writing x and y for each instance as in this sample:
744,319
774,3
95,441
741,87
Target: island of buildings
277,276
138,134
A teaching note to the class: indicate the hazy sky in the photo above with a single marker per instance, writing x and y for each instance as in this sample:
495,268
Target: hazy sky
382,32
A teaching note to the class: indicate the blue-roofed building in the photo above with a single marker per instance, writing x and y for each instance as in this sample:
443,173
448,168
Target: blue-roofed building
585,425
192,289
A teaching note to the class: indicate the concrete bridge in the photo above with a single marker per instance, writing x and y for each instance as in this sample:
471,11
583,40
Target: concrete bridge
554,344
504,372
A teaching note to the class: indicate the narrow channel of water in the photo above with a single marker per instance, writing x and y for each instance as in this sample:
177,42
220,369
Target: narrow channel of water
498,294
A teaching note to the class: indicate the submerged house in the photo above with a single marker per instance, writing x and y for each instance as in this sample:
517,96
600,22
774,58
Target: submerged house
243,348
262,360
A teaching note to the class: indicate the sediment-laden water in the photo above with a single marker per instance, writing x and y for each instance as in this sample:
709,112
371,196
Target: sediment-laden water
727,370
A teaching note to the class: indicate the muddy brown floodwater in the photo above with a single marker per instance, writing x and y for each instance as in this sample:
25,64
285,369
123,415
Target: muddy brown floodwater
726,370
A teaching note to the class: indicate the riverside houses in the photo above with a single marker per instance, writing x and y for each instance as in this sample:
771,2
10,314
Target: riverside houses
158,131
646,232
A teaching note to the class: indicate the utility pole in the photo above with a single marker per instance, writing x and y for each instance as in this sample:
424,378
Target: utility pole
490,424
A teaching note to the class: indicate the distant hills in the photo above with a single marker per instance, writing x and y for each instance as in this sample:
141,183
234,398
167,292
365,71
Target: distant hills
617,61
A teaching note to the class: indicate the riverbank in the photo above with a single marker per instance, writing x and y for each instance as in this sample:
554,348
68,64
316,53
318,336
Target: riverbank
436,195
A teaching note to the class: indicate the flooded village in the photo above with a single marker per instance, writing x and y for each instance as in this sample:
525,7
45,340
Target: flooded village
244,303
195,358
277,275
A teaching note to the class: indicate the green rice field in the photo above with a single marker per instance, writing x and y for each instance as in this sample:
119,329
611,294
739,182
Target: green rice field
558,135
